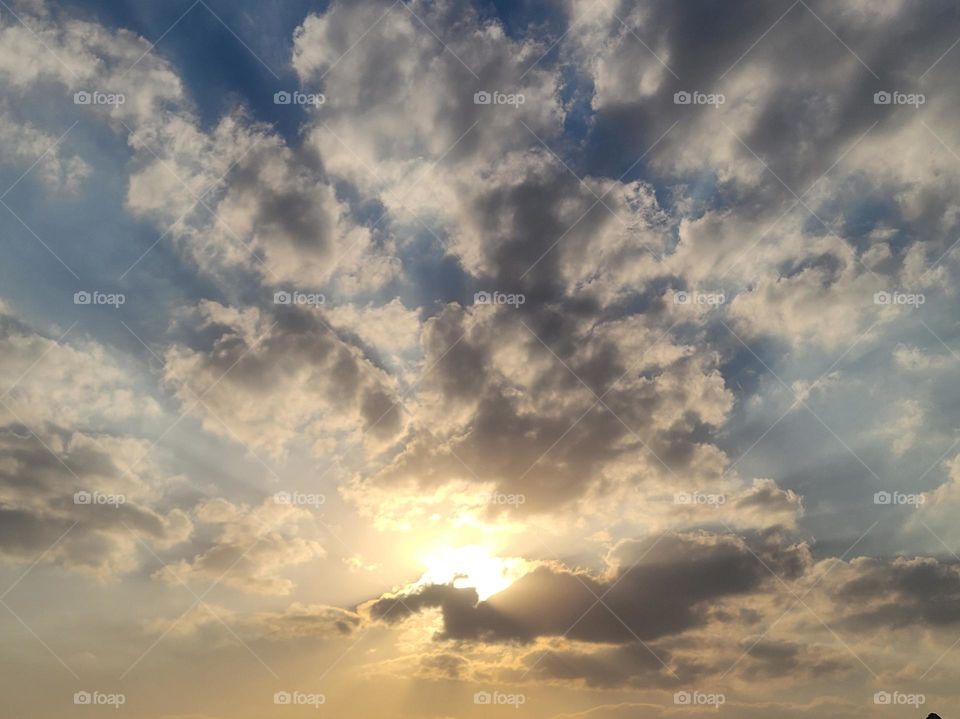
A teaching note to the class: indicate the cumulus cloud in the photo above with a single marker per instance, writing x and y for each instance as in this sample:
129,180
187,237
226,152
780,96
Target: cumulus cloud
59,403
78,383
270,210
77,491
82,56
280,377
234,198
778,227
366,131
512,399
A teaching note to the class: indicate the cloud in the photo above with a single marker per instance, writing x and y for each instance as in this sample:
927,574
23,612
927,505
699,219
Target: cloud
280,377
234,198
27,144
296,622
81,383
59,403
770,659
240,199
62,414
391,328
789,227
932,523
482,180
366,131
917,358
504,404
767,505
603,668
249,547
905,427
40,473
905,591
45,50
655,589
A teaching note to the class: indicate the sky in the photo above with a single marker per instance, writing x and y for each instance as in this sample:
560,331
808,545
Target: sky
453,359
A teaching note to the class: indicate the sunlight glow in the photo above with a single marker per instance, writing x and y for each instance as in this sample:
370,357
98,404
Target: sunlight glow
472,566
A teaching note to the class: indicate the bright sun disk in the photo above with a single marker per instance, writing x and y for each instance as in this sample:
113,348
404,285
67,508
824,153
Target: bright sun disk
472,566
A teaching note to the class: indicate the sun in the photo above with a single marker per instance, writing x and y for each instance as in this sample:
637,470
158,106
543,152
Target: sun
472,566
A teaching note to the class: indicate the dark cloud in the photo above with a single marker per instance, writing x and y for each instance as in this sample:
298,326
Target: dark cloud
38,482
768,658
627,665
445,665
290,209
808,89
903,592
657,589
531,426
